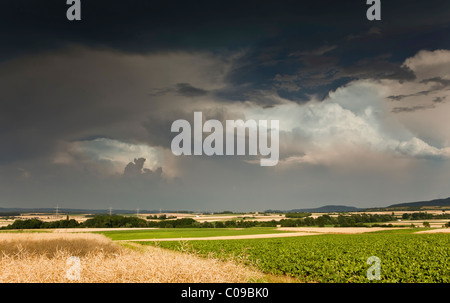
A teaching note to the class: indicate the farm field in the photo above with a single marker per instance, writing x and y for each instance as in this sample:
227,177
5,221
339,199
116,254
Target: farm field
187,233
405,257
303,254
44,258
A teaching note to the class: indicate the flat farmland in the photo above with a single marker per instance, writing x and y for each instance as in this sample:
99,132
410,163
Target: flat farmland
404,256
43,258
120,235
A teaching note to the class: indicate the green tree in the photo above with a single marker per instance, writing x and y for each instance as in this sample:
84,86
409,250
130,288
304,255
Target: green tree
219,224
320,221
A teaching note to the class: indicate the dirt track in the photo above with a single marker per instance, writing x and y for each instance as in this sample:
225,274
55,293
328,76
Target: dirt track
259,236
297,232
433,231
80,230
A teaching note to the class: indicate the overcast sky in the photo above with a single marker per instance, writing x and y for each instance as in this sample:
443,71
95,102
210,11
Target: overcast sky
363,106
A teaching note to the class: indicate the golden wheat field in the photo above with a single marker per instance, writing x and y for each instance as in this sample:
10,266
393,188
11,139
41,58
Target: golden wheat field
48,258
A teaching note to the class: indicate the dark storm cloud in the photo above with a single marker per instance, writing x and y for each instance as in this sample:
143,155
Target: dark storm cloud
52,93
273,33
401,97
42,104
325,73
372,31
79,93
439,85
410,109
440,82
187,90
158,125
141,26
136,169
439,99
376,68
316,52
182,89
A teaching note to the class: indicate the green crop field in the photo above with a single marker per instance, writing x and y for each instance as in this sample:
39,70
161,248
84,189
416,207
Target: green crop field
404,257
186,233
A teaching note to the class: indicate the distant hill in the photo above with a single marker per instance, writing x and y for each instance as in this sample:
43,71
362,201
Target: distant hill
436,202
323,209
328,209
80,211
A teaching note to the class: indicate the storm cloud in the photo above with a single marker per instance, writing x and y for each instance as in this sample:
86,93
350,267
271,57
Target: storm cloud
86,107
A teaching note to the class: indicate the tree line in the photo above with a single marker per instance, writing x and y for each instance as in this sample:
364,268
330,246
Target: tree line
110,221
424,216
37,224
353,220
